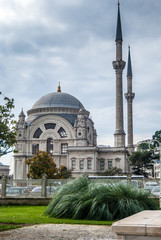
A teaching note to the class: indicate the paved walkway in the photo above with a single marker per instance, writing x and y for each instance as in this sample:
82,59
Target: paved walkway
59,232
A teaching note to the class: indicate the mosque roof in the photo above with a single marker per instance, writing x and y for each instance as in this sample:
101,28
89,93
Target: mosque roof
58,100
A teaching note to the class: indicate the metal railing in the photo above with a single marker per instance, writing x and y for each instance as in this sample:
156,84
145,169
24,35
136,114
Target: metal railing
32,188
45,188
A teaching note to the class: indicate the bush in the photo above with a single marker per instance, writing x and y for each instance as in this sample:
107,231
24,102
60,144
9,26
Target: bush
97,201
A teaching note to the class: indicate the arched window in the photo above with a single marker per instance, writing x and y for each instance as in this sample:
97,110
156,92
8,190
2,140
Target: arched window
49,126
37,133
73,164
49,145
35,148
62,133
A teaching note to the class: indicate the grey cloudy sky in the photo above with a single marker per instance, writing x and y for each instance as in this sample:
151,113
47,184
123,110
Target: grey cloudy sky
43,42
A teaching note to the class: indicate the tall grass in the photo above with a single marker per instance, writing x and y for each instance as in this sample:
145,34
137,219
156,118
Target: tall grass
97,201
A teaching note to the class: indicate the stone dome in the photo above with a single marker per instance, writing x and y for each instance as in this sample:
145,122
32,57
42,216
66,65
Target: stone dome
58,100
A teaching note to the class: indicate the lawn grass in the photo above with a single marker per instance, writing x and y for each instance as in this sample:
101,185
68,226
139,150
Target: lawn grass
11,216
6,227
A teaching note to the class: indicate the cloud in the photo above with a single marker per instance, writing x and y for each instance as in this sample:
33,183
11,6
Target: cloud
73,41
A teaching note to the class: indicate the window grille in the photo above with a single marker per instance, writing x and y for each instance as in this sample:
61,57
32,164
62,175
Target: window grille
62,133
49,147
73,164
109,164
35,148
89,164
64,148
102,165
81,164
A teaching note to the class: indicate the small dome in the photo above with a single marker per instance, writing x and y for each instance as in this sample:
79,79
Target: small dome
58,100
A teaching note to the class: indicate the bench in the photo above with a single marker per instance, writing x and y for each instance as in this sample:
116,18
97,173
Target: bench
145,225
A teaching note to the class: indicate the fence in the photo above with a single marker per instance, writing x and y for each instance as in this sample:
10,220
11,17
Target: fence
32,188
45,188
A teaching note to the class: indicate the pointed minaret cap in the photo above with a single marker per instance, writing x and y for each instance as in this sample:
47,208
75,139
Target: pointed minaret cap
119,29
22,113
59,88
129,67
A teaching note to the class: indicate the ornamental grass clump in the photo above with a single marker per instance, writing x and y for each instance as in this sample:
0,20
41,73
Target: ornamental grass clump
98,201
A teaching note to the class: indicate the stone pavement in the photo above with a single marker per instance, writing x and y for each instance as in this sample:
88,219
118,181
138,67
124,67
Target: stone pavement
59,232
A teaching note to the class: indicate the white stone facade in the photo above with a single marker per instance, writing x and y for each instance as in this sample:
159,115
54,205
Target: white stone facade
69,134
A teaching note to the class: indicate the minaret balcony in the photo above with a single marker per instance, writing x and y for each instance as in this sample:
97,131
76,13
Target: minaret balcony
119,65
129,96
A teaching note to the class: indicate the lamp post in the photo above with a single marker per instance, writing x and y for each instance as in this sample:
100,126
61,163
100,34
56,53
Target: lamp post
159,149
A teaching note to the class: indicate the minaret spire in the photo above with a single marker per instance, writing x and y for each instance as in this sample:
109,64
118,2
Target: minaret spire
129,96
22,115
129,67
119,65
118,28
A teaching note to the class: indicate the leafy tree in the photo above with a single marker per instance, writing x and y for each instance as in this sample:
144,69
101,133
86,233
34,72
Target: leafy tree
7,126
41,163
157,136
141,161
143,146
64,172
112,172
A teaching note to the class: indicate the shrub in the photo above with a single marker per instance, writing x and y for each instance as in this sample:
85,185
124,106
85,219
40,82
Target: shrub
98,201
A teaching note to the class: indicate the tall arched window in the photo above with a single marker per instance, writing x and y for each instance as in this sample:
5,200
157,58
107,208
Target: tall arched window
49,145
35,148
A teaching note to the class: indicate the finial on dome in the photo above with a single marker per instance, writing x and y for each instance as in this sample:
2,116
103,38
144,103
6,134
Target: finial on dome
59,88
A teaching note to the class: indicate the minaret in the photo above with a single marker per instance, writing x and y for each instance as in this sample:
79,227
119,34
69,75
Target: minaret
21,126
119,65
129,96
22,116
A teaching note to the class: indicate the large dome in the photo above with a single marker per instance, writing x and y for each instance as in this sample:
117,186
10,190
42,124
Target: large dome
58,100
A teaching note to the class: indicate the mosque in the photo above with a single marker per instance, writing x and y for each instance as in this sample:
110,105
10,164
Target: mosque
59,124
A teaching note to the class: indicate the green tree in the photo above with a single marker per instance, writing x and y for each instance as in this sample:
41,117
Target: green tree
143,146
141,161
7,126
157,136
114,171
64,172
41,163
